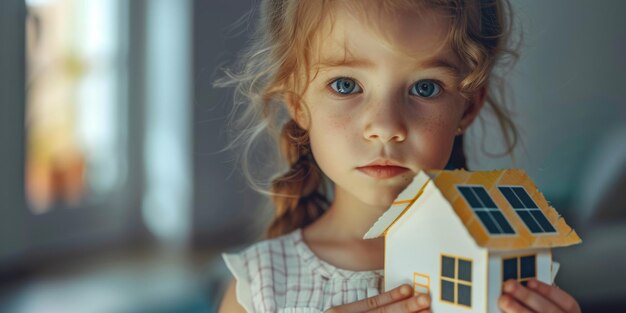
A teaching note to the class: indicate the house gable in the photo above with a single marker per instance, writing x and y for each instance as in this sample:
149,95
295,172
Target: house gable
402,203
415,244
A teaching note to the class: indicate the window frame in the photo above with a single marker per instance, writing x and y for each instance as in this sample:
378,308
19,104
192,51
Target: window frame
418,286
455,281
26,236
518,258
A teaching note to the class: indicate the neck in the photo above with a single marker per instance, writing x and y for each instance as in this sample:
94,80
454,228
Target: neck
337,236
349,218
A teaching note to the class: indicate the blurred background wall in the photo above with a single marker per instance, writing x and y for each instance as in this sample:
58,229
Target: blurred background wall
114,194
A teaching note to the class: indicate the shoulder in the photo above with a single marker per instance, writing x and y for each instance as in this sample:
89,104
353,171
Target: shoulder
274,252
262,270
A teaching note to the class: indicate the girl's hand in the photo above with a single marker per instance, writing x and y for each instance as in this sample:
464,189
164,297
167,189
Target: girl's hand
537,297
397,300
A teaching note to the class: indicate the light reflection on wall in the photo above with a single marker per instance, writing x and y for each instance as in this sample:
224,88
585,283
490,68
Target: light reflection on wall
167,148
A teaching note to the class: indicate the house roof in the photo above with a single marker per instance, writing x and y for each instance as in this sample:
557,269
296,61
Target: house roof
524,230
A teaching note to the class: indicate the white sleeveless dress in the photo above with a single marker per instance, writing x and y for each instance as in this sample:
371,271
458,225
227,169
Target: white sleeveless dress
283,275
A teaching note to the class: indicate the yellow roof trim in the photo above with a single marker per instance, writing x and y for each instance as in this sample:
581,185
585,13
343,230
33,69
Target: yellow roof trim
403,201
417,195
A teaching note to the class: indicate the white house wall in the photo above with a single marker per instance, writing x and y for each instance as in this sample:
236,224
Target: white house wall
417,240
544,265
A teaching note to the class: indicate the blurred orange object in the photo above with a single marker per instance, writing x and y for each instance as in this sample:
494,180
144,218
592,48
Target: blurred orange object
60,178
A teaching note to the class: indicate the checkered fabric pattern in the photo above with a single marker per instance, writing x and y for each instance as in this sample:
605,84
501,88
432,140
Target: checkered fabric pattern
283,275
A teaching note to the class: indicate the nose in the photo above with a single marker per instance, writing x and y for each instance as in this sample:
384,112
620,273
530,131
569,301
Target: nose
385,122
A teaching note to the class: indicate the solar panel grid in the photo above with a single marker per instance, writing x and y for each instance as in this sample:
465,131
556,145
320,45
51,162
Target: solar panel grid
527,209
470,197
484,197
486,210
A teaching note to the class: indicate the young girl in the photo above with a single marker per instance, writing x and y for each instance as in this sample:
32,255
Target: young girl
372,91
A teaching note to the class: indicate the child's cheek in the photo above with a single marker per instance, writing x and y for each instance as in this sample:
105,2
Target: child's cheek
333,118
432,136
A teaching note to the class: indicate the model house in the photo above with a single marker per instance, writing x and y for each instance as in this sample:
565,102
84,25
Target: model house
459,235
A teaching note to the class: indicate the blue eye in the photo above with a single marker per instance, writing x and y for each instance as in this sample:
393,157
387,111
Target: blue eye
345,86
426,88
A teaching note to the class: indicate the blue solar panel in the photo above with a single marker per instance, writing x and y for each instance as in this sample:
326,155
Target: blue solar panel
489,223
523,195
543,221
485,208
501,220
484,198
470,197
527,209
529,221
511,197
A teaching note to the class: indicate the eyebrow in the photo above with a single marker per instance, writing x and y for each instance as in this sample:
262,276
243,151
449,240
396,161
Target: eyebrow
436,62
442,63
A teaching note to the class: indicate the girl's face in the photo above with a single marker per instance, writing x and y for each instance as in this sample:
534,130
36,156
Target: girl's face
384,93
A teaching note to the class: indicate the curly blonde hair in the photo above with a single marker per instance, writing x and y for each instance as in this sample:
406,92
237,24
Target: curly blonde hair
268,73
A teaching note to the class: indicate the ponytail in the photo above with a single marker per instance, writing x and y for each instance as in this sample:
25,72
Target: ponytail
298,194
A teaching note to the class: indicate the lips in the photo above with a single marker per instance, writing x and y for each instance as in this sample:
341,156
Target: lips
383,169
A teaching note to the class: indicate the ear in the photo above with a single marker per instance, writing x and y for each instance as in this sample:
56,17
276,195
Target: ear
473,107
296,110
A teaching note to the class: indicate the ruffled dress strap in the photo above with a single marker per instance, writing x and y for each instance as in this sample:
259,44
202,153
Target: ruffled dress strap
237,266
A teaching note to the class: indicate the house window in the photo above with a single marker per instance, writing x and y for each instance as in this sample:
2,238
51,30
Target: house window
520,268
421,283
456,280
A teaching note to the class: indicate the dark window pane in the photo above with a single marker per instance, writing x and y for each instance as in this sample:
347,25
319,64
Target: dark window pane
543,221
470,197
527,266
502,222
447,267
521,193
447,290
509,269
510,196
465,270
465,294
524,283
488,222
529,221
484,197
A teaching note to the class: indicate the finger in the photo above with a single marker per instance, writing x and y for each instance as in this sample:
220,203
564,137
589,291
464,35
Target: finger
508,304
530,298
561,298
418,303
391,296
